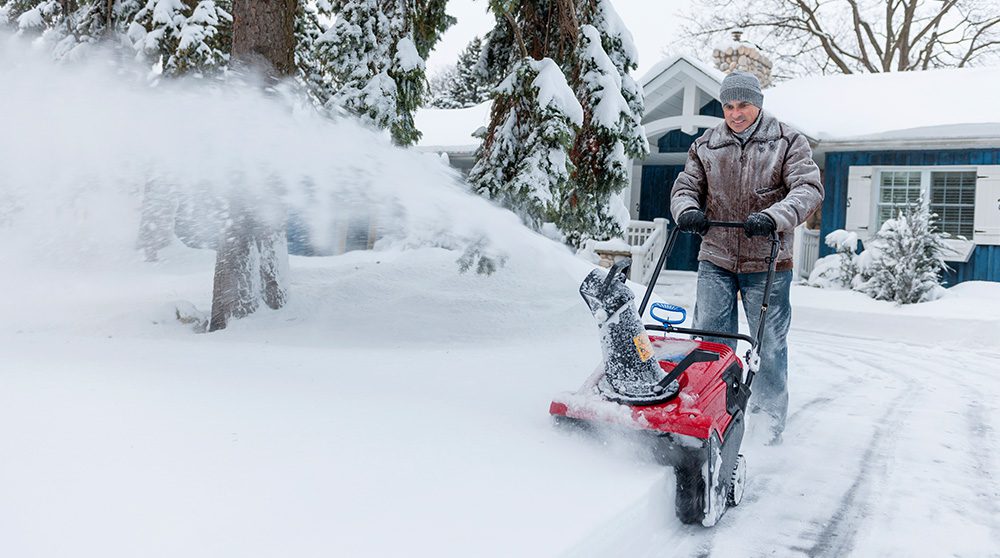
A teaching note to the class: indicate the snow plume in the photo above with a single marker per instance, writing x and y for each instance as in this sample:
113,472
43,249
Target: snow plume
84,145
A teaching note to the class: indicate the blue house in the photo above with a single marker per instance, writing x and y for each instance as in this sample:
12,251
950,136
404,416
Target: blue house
881,141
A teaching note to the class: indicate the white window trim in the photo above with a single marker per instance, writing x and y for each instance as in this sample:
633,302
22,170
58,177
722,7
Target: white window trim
957,250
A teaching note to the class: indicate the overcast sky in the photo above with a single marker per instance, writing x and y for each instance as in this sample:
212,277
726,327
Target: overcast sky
654,24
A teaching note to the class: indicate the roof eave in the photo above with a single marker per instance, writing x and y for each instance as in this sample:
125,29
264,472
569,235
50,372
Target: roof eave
902,144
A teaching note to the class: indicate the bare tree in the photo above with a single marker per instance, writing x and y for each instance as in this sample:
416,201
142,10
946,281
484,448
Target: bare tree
252,254
852,36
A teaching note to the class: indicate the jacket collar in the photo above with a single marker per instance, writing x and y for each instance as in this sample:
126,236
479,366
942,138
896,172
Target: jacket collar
769,129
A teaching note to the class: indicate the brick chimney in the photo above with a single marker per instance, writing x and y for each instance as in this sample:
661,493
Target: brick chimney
741,55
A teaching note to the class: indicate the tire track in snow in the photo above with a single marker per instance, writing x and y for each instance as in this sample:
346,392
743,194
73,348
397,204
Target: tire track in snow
980,431
839,531
838,535
981,441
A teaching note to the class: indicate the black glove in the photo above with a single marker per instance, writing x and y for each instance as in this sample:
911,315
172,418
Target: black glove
693,221
758,224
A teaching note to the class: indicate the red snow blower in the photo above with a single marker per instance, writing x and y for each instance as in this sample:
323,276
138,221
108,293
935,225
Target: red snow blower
687,397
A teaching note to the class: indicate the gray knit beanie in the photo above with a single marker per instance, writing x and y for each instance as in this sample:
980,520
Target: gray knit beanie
741,86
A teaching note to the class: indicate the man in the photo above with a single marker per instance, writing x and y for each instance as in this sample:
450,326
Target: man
754,169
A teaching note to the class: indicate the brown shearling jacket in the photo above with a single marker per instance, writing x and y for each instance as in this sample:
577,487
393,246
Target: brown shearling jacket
773,173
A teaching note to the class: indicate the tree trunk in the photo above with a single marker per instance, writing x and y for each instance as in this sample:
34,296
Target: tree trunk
264,35
159,211
252,255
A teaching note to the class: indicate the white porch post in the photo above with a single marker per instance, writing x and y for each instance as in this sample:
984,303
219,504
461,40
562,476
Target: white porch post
633,194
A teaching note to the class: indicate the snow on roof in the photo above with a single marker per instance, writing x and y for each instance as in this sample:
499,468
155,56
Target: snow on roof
915,106
931,104
451,129
666,63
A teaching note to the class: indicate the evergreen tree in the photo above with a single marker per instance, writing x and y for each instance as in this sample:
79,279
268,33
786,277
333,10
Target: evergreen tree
308,56
439,86
463,86
204,40
588,41
64,26
905,260
612,133
155,31
32,16
124,12
428,20
524,160
375,54
183,39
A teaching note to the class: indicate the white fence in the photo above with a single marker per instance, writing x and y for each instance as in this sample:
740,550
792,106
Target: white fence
808,251
646,240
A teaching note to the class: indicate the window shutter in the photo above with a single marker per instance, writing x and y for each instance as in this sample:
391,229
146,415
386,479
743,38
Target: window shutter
859,201
987,227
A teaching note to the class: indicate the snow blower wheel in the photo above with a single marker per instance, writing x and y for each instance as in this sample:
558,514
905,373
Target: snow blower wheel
689,501
739,482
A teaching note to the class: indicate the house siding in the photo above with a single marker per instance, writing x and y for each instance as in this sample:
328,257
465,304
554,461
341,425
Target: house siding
983,265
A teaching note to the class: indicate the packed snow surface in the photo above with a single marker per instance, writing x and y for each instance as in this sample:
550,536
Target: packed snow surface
398,407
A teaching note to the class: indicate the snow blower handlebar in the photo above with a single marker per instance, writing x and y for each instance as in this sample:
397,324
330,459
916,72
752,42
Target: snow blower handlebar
752,356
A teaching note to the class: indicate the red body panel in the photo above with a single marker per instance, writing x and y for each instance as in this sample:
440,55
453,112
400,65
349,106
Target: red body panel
697,410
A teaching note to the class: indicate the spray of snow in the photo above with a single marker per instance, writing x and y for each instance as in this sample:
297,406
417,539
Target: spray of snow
91,137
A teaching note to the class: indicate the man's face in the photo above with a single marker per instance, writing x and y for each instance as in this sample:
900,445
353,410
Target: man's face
740,115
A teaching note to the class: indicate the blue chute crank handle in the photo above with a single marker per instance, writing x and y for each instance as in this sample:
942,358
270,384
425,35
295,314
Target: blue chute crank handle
669,308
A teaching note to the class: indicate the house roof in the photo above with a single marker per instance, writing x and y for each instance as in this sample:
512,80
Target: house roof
951,105
666,63
927,105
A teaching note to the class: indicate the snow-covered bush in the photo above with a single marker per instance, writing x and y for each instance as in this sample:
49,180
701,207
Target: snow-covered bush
904,262
837,270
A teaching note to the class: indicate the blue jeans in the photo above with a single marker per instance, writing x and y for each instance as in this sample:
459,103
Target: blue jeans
715,309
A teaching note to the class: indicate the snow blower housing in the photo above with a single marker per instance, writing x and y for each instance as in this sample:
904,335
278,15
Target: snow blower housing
686,396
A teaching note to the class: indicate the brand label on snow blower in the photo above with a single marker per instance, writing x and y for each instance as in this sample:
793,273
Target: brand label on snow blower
643,345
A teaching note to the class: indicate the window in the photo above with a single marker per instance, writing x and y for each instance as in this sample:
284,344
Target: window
951,193
898,189
953,198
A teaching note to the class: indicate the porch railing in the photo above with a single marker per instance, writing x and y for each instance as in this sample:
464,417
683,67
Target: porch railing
646,240
808,251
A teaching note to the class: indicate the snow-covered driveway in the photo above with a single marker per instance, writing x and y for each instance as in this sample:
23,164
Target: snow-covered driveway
398,408
891,450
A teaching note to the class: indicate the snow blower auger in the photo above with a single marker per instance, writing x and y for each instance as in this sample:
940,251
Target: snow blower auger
685,396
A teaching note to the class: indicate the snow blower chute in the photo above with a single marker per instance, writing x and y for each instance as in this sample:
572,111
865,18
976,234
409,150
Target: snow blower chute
686,396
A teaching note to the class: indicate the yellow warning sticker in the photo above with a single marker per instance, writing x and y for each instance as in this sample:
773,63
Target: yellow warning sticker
643,345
